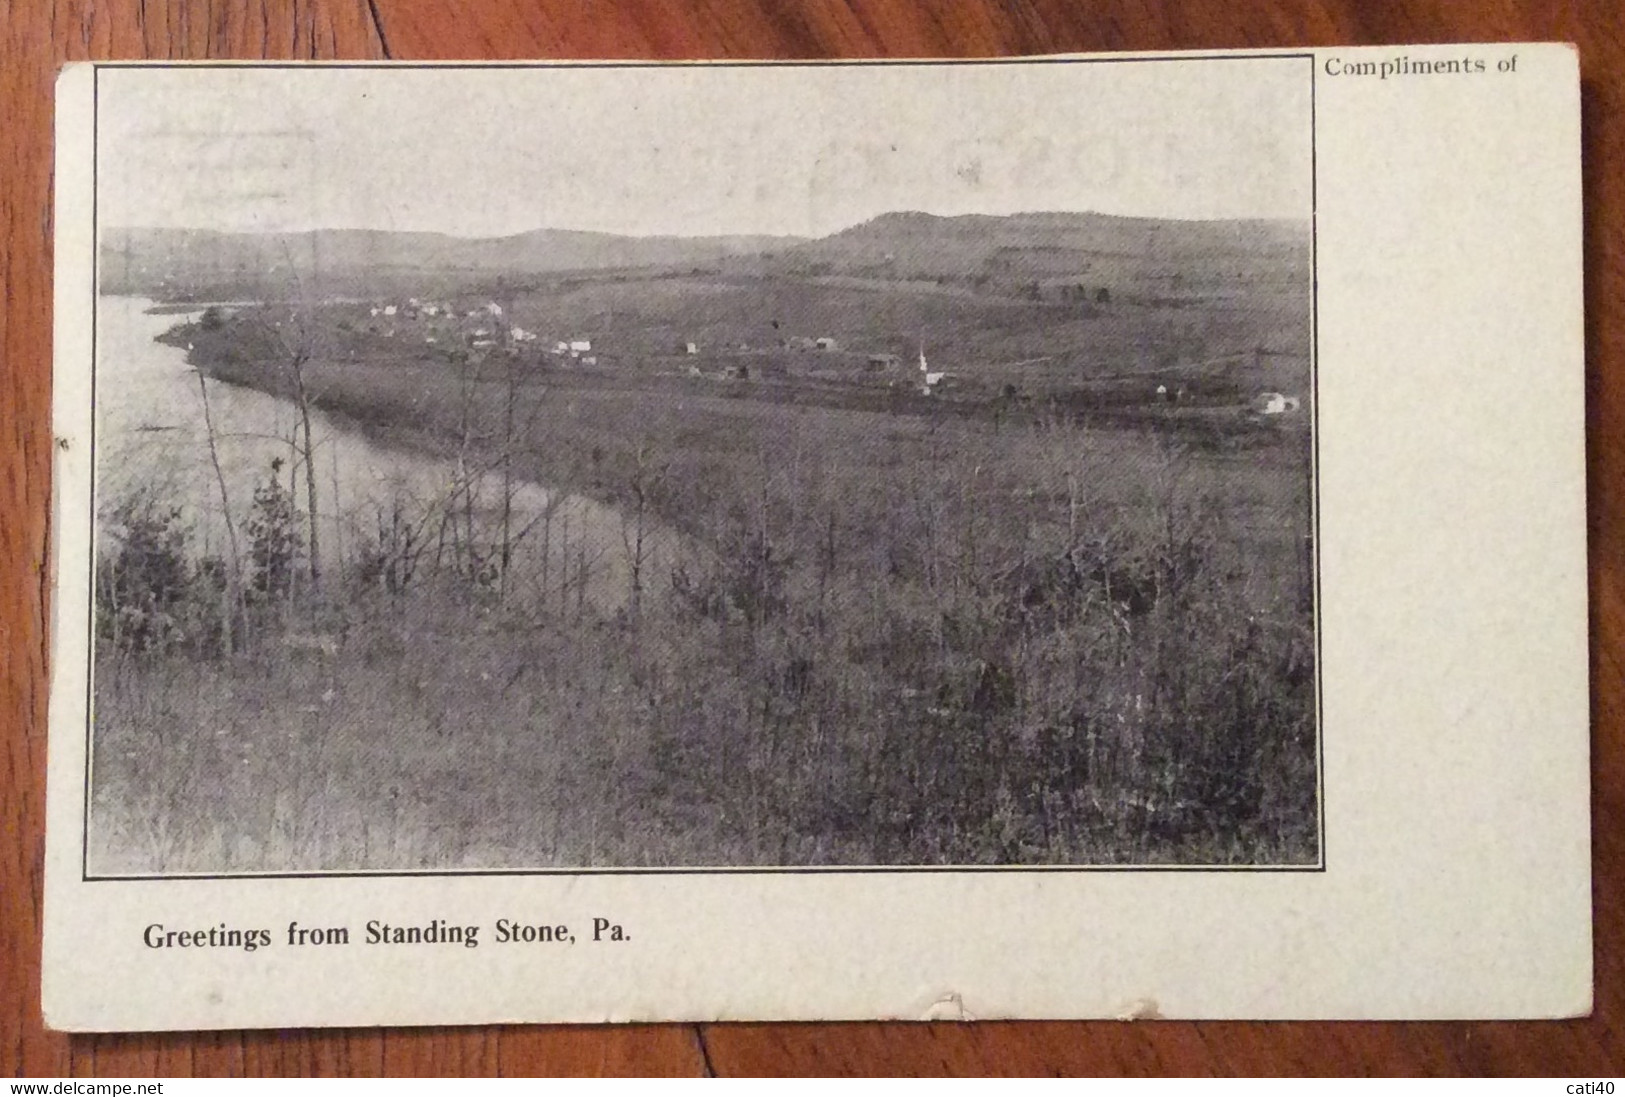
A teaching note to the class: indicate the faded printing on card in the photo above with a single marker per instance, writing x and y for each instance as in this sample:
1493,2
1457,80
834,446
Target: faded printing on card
1085,536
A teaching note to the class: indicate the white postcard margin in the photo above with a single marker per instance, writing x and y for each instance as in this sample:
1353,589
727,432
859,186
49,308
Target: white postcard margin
1454,676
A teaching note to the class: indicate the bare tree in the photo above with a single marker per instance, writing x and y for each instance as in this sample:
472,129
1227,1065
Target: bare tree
296,366
635,528
296,340
233,599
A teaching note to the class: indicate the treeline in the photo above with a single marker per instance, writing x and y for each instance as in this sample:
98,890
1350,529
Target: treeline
996,652
893,642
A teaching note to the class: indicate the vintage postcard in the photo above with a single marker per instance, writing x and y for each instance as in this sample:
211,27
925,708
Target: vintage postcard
1056,537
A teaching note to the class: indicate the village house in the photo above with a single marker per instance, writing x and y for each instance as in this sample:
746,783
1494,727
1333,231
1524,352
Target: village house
825,343
930,379
1275,403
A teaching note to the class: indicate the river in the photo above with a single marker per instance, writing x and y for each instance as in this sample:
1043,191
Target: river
152,435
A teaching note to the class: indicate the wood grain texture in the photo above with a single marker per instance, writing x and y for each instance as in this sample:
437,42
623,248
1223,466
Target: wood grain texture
39,35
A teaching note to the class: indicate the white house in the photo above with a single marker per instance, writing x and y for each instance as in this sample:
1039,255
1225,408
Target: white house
1275,403
390,310
580,346
929,378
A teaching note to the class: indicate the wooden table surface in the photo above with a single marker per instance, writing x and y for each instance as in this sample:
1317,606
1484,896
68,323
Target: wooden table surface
39,35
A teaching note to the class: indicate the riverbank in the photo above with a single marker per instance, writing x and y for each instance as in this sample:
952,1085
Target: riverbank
897,639
581,430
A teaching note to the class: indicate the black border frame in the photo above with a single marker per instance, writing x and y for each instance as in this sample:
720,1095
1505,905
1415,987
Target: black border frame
770,870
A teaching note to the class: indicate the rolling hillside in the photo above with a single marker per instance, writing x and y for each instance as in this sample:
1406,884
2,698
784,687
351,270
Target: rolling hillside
1036,254
1046,247
166,262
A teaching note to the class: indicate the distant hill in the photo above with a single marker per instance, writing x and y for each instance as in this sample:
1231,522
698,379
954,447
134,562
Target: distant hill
1045,247
149,260
1025,253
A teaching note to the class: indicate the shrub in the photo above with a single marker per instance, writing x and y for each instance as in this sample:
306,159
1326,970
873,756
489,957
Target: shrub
143,584
274,541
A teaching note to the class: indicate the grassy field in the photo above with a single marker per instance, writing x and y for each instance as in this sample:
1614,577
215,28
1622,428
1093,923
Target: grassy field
980,629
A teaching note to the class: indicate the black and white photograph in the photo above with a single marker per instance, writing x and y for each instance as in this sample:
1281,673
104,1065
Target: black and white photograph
704,467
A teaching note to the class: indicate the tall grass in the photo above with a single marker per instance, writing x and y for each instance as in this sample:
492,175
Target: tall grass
889,640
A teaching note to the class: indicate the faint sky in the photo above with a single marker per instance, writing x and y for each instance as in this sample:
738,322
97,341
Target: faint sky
694,149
